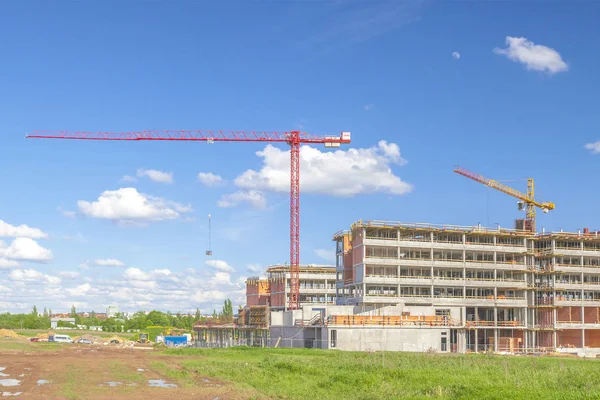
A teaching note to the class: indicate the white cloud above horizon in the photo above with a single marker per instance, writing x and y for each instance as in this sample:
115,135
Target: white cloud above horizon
24,249
155,175
334,173
128,178
133,289
209,179
456,55
109,262
254,198
594,148
369,107
220,265
534,57
8,230
128,206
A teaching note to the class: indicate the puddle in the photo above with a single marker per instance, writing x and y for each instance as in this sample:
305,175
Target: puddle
10,382
132,384
140,369
8,394
160,383
42,382
111,384
2,369
210,383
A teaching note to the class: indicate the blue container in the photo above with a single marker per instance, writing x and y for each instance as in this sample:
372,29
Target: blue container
173,341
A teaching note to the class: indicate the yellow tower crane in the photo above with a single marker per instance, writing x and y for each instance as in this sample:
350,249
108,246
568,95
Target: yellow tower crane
527,199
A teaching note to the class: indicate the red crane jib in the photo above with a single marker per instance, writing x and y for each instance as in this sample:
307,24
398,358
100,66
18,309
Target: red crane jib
293,138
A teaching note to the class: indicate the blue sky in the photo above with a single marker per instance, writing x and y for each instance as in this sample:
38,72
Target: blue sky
520,101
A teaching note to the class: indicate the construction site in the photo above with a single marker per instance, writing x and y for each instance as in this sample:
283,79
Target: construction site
413,286
424,287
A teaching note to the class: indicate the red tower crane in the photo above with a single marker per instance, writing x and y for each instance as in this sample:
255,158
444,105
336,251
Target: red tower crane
293,138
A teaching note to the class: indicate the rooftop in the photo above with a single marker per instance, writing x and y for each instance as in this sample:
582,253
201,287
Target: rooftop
478,229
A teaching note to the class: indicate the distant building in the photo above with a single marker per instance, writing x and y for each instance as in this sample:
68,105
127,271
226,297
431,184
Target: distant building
54,321
112,311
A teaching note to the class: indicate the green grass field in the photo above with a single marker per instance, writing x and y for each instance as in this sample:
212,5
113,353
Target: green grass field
301,374
17,344
74,332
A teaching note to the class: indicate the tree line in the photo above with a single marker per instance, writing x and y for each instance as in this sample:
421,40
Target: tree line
139,320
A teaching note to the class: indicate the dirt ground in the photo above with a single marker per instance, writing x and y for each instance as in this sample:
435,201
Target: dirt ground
103,372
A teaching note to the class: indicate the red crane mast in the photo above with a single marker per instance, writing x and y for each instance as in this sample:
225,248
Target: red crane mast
294,138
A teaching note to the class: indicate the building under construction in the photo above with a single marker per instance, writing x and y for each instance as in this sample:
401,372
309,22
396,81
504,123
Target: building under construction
317,286
422,287
502,289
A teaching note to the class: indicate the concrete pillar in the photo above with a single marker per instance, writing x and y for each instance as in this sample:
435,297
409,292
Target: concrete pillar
464,281
476,341
495,339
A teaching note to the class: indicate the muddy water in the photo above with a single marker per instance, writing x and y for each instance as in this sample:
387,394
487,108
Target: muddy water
160,383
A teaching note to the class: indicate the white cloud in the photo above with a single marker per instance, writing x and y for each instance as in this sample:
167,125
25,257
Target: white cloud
128,178
127,204
25,275
69,214
221,278
109,262
254,268
136,274
79,291
220,265
31,275
78,237
253,197
535,57
334,173
209,179
25,249
156,176
69,274
328,255
456,54
136,289
369,107
593,147
4,263
8,230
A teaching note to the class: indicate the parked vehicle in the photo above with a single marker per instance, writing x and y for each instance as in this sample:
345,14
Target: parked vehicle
143,338
35,339
60,339
84,341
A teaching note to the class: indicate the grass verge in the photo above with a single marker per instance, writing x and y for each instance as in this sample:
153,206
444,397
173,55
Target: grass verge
297,373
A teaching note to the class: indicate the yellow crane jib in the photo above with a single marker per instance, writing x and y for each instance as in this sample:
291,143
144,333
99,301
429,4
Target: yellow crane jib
527,199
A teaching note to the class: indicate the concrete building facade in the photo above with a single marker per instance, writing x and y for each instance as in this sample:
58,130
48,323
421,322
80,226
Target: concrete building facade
501,289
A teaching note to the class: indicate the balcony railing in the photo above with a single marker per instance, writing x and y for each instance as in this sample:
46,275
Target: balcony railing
491,323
